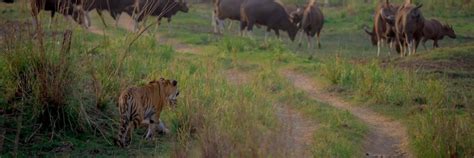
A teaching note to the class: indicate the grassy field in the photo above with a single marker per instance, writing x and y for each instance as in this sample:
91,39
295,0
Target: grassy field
431,93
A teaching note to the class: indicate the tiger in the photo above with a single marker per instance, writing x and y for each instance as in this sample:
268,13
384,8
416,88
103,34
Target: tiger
143,106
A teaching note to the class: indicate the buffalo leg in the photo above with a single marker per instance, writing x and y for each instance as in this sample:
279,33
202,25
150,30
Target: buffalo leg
319,40
169,25
310,40
268,31
214,22
87,20
230,25
301,38
409,48
401,45
407,45
379,44
266,36
435,43
390,47
243,25
51,19
424,43
250,28
277,33
116,18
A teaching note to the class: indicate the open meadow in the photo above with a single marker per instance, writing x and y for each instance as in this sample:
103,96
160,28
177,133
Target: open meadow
239,96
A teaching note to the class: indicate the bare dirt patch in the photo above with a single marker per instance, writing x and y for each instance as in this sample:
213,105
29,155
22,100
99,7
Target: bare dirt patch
96,30
386,138
178,46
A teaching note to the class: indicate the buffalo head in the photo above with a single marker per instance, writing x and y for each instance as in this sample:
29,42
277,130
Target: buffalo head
183,6
297,16
449,31
388,12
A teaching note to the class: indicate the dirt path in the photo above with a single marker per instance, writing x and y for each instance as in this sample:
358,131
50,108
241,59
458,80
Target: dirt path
386,138
297,131
178,46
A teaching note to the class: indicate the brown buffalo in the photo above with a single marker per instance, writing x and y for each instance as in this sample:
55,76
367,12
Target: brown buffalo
409,25
270,13
115,7
310,20
434,30
65,7
383,28
160,8
225,9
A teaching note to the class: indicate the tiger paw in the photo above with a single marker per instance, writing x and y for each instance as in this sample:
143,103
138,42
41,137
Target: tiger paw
164,131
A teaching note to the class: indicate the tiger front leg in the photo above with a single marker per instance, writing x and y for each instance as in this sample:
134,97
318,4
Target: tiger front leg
162,128
150,131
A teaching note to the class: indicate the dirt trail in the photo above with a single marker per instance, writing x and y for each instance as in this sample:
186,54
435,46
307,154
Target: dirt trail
297,131
386,138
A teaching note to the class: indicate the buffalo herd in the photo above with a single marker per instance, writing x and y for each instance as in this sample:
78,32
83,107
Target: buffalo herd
400,26
403,27
138,9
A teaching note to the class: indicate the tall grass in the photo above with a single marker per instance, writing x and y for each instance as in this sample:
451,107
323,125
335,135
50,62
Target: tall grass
437,128
213,118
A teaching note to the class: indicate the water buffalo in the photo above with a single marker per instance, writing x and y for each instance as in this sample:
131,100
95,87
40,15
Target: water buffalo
310,20
384,25
409,25
115,7
159,8
65,7
268,13
434,30
225,9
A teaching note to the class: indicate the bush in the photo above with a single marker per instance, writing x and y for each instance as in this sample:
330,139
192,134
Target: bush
41,76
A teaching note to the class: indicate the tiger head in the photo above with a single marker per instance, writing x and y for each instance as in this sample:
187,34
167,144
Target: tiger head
170,88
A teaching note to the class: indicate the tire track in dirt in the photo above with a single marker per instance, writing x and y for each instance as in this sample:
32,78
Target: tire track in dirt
297,131
386,138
